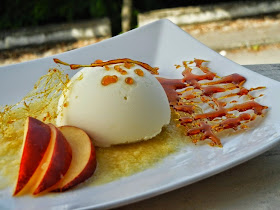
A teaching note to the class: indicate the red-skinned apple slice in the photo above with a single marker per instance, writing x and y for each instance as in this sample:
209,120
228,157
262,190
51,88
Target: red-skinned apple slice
55,164
36,140
83,162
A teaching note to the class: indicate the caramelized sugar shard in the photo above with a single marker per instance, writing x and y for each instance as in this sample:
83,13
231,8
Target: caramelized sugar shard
40,103
217,102
128,63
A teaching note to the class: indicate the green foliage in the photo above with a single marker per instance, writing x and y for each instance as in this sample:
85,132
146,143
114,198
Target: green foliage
97,8
22,13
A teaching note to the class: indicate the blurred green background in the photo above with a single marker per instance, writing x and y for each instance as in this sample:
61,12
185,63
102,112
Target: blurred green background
248,35
20,13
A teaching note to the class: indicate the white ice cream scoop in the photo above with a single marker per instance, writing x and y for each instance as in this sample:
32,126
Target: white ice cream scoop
115,104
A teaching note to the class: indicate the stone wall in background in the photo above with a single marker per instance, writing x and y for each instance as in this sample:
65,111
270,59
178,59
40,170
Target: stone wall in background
207,13
55,33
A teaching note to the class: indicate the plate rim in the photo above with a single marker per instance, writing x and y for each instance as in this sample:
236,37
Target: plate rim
181,183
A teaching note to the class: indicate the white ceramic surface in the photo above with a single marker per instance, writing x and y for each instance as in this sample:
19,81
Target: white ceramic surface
161,44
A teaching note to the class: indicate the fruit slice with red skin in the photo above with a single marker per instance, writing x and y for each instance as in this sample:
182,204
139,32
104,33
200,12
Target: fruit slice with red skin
36,140
83,162
56,163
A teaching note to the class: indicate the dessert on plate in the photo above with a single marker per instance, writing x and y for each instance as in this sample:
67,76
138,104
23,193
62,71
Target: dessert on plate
115,104
115,118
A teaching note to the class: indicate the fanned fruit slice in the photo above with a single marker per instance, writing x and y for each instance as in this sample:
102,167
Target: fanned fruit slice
83,162
55,164
54,159
36,140
45,159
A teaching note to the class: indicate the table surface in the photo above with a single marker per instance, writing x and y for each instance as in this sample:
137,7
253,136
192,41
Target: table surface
254,184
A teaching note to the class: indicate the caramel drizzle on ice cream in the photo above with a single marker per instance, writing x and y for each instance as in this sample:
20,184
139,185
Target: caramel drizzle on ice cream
109,79
139,72
199,89
126,61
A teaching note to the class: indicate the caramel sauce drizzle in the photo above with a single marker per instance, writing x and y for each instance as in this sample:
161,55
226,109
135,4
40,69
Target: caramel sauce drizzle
120,70
127,62
201,126
129,80
170,86
184,108
189,96
233,122
139,72
236,79
109,79
107,67
128,65
207,133
210,90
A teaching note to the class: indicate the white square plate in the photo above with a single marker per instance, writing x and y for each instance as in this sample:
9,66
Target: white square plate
161,44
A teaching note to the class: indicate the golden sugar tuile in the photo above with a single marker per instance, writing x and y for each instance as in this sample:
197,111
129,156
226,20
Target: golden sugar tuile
40,103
